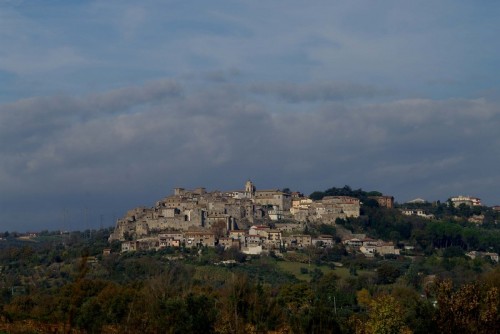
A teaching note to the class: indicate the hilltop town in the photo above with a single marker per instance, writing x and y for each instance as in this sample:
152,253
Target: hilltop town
254,221
251,220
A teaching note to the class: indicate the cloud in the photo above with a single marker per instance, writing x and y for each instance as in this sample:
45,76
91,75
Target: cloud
123,98
143,140
42,118
161,125
316,92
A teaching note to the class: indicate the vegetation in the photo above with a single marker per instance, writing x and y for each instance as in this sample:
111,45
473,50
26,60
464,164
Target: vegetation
62,283
346,191
149,292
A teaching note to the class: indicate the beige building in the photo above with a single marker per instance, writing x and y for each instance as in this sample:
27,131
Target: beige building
467,200
276,199
238,235
323,241
199,238
350,206
327,210
416,212
274,239
297,241
372,247
228,242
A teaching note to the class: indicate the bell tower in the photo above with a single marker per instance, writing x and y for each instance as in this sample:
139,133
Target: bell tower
249,189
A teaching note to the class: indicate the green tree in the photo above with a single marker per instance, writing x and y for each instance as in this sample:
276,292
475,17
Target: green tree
387,274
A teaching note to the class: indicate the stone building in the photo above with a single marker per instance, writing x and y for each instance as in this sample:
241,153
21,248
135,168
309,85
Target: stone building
277,199
384,201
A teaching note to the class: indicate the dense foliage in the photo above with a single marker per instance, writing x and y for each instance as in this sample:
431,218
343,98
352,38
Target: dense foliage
184,291
345,191
63,283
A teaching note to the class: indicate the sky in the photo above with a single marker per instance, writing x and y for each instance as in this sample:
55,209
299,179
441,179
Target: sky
109,105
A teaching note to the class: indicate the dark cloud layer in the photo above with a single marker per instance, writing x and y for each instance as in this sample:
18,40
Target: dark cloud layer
130,146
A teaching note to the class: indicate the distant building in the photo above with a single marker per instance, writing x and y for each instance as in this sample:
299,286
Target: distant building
278,200
384,201
323,241
252,249
417,201
297,241
467,200
417,212
372,247
227,243
199,238
353,242
476,219
492,256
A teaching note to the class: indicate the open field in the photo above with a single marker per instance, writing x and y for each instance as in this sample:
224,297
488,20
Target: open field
294,268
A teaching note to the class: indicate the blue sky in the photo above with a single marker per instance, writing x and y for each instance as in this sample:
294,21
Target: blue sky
106,105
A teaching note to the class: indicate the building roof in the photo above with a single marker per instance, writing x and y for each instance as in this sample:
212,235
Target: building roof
417,200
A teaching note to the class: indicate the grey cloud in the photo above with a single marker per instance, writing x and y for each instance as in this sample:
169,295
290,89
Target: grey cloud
123,98
144,140
46,115
221,75
201,125
40,135
317,92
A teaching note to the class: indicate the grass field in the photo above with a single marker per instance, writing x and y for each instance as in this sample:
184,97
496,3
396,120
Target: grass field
294,268
221,273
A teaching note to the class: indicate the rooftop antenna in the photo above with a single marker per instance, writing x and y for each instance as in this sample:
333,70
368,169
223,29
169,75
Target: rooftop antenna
87,222
65,217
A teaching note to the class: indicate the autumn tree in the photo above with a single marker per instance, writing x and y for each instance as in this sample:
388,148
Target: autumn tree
470,309
386,316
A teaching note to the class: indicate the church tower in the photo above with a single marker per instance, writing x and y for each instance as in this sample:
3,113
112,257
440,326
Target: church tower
249,189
